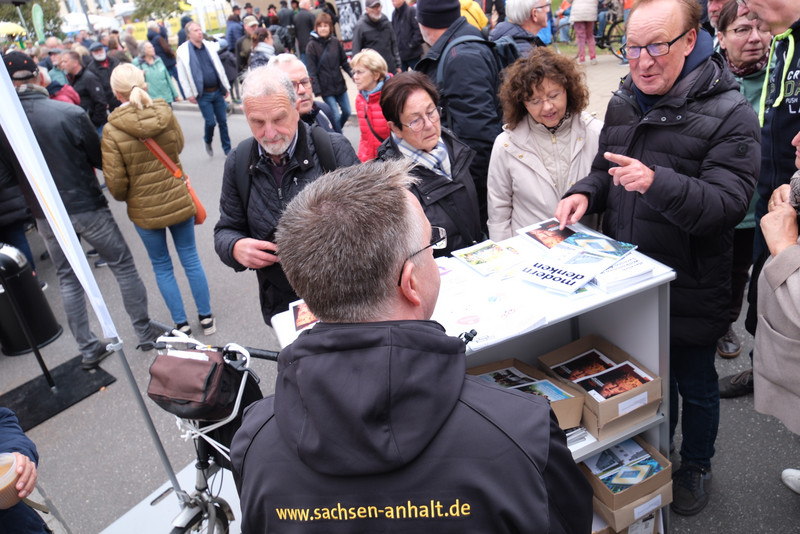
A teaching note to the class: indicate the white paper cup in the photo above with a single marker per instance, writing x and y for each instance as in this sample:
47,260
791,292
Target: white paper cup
9,495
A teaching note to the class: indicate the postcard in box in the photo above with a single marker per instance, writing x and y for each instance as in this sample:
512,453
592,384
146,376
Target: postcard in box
646,525
613,473
639,509
593,356
565,399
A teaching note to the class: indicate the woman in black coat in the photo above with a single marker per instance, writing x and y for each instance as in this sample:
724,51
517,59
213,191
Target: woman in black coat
446,189
324,57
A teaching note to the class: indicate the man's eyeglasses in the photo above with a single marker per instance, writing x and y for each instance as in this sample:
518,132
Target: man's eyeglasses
541,6
550,98
438,242
305,82
419,123
654,49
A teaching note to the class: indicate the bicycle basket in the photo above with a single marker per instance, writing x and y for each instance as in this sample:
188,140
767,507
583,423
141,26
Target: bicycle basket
194,383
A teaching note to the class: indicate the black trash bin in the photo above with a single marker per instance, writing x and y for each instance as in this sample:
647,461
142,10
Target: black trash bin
19,286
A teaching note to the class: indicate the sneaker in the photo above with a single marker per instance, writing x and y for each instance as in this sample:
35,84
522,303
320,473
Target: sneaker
43,285
691,488
91,253
791,477
184,328
593,61
728,346
101,263
209,149
208,325
737,385
93,361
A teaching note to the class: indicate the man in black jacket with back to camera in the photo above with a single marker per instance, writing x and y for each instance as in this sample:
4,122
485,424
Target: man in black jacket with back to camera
374,426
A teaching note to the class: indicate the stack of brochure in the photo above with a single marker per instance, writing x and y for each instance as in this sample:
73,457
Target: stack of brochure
568,259
623,465
513,378
600,376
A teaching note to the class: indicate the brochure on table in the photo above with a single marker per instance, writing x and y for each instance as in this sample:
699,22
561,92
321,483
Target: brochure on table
498,306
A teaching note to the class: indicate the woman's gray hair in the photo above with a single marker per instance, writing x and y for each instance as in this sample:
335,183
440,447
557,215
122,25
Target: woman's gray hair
140,48
344,239
266,81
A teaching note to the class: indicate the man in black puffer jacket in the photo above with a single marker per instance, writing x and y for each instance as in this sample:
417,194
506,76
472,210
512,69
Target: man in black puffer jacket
682,147
261,176
373,30
374,426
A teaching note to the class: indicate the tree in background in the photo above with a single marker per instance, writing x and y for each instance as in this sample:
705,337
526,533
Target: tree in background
52,20
160,9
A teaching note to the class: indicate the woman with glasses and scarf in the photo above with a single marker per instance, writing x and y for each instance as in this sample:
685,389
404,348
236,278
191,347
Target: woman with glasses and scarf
547,144
446,188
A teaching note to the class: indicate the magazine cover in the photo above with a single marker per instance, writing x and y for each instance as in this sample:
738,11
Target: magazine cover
546,389
628,475
599,244
611,459
303,317
547,233
619,379
508,378
588,363
488,257
564,268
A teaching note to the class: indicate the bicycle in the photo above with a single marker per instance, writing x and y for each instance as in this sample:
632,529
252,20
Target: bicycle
614,36
203,510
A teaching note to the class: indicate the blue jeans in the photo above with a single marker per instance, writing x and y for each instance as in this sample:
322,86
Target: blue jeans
99,229
343,101
155,241
693,375
14,235
213,105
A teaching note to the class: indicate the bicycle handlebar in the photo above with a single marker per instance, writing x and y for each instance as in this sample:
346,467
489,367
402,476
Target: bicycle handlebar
261,354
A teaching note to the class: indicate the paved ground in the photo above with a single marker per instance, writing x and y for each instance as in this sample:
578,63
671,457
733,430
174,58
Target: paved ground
97,460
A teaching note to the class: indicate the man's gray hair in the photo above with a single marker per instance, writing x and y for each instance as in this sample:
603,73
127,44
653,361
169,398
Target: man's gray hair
267,81
285,59
518,11
345,238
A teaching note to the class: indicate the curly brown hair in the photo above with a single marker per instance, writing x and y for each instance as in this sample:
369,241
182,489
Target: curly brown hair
526,74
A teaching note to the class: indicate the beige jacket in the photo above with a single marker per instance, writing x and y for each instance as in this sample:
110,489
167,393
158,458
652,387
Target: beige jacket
776,359
531,169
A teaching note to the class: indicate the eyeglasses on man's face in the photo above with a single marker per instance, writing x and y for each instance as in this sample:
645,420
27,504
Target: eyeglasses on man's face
438,242
654,49
305,82
419,123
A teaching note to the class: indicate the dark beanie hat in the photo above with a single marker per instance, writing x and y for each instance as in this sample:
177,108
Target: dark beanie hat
438,13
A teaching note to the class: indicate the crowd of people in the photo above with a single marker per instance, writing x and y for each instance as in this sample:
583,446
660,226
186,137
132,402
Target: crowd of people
691,163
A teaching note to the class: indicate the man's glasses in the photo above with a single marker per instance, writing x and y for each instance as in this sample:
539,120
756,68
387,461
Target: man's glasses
438,242
305,82
418,124
654,49
541,6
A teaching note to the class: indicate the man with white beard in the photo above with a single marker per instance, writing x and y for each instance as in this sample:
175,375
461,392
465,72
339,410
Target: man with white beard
263,174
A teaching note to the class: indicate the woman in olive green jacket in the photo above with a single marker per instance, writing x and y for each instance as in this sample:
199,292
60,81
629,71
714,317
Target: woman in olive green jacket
156,200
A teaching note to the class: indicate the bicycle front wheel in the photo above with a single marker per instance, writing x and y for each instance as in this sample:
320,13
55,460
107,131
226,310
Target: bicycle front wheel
200,524
615,37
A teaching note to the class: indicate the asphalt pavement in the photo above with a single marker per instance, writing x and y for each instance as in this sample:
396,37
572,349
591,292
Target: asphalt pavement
98,461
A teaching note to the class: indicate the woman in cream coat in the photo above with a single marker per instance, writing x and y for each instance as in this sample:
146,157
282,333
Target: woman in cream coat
547,143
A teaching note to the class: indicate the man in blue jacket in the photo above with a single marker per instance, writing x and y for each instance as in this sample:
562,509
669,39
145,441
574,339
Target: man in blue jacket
374,426
674,174
20,518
